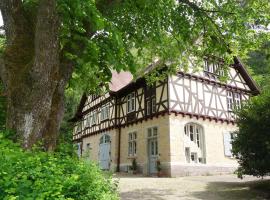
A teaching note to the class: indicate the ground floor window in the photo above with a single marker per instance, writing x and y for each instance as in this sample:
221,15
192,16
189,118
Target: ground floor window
194,143
132,144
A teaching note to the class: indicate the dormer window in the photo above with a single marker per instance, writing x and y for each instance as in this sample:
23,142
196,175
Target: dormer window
131,102
213,67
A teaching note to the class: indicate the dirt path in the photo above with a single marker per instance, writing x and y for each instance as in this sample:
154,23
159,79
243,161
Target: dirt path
189,188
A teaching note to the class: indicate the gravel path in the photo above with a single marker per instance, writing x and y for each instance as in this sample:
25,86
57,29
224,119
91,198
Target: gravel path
189,188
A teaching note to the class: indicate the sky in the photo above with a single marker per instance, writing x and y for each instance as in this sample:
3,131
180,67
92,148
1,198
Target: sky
1,20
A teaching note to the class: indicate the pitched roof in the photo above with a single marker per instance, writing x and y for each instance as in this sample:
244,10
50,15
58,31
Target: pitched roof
248,79
119,80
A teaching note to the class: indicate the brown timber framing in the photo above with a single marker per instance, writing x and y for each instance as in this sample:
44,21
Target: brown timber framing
198,110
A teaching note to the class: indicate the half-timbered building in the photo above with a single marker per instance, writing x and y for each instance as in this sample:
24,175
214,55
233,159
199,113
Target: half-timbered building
186,122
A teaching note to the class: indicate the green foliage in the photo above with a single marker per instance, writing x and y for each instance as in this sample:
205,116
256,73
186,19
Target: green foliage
259,62
40,175
101,35
252,144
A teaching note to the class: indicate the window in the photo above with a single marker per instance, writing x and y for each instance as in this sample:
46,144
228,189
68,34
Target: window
230,100
104,139
105,112
131,102
94,118
213,67
187,153
193,157
148,107
88,121
153,105
233,100
79,127
237,100
152,132
194,141
132,144
227,137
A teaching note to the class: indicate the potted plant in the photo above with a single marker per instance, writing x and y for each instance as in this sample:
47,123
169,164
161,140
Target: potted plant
132,169
134,166
159,173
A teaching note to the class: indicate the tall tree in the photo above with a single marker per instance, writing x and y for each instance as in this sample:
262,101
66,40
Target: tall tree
259,62
53,43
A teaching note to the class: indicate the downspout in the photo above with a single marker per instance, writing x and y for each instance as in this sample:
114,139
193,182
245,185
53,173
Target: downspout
117,125
119,142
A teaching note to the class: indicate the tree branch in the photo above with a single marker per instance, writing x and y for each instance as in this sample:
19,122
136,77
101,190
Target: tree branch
13,16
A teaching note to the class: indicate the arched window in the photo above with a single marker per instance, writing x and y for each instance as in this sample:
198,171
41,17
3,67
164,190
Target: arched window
194,143
104,139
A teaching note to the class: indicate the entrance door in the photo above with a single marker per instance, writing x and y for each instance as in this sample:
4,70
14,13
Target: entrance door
104,152
152,150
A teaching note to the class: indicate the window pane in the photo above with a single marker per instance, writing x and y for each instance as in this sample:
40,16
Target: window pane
149,132
191,137
155,131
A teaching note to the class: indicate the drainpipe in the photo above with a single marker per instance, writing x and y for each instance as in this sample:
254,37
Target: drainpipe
117,125
119,142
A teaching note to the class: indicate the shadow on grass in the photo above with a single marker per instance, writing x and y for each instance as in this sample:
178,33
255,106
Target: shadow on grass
259,190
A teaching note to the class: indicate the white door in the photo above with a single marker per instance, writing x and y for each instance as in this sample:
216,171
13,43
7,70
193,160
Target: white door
153,155
104,152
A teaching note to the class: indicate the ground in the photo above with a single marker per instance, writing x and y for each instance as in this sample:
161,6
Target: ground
219,187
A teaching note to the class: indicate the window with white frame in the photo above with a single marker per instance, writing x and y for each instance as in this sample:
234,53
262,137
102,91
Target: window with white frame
233,100
132,144
194,143
213,67
131,102
230,100
237,100
104,113
94,118
153,105
227,139
88,121
152,132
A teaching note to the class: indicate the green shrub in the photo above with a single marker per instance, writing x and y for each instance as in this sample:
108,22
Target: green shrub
251,147
40,175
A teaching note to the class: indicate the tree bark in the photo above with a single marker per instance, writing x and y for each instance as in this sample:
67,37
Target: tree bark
34,76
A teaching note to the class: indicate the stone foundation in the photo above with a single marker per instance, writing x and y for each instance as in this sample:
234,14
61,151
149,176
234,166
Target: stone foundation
200,170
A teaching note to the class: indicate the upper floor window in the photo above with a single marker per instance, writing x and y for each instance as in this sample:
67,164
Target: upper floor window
233,100
150,106
213,67
131,102
104,113
88,121
94,118
132,144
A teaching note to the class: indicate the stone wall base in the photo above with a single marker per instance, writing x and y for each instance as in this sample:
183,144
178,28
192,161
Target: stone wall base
203,170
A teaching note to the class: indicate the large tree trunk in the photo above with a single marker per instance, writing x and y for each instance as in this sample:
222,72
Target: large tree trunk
34,77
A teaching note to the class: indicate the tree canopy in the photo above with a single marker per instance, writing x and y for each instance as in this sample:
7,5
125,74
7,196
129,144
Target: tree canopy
54,44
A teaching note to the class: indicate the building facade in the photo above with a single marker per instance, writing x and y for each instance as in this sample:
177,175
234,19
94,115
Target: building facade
185,123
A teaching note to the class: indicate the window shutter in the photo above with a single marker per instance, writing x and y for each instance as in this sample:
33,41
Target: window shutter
227,144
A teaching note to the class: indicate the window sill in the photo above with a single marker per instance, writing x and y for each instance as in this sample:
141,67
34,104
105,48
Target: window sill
132,157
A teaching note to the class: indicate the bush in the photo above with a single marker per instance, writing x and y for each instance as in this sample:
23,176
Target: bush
251,147
40,175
